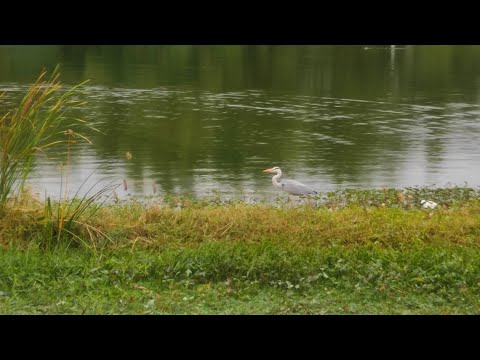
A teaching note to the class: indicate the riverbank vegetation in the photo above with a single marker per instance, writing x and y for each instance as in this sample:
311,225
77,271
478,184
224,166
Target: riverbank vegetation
347,252
214,257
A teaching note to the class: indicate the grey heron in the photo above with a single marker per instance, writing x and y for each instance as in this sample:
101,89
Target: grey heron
292,187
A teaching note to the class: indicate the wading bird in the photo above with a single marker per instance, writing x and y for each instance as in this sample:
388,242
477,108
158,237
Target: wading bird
292,187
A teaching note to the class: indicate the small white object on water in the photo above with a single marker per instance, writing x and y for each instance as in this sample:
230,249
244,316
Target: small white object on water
428,204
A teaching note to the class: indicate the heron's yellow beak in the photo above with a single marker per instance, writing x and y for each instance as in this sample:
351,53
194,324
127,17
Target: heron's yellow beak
267,170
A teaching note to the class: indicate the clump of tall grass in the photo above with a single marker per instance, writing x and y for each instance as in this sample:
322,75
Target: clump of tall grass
67,221
38,123
33,126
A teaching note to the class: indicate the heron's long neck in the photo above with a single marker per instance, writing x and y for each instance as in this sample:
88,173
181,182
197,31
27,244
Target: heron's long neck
276,178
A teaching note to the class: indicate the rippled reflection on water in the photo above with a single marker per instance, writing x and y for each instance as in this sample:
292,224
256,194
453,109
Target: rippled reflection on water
190,142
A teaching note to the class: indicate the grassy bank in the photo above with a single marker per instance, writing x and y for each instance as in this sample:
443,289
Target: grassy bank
349,218
372,252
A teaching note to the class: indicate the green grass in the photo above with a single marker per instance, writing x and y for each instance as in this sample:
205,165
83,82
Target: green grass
240,278
366,255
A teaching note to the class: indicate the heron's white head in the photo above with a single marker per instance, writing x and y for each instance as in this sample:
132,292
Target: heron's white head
423,202
275,169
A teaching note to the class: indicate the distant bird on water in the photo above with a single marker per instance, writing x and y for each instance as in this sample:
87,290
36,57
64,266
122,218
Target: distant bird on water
292,187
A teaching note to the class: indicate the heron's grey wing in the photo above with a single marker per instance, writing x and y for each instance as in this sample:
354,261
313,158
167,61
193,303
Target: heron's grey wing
296,188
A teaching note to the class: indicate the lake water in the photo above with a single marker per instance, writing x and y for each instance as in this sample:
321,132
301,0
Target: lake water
203,119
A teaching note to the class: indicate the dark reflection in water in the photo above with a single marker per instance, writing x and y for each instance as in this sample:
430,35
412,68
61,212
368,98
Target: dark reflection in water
198,119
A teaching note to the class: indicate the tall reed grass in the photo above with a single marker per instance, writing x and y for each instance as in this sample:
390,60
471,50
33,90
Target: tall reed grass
34,126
